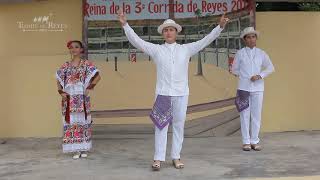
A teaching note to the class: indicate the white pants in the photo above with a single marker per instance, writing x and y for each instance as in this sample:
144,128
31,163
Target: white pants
252,113
180,104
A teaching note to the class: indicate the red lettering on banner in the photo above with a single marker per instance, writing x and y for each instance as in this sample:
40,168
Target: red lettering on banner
158,8
126,8
115,7
164,8
214,7
179,8
94,9
238,4
161,7
138,7
192,7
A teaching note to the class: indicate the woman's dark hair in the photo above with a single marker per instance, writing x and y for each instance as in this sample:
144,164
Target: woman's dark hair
75,41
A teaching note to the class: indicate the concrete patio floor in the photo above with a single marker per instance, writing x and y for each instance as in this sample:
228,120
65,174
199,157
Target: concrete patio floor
290,155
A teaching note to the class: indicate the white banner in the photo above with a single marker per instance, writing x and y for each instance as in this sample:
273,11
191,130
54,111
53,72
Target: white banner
158,9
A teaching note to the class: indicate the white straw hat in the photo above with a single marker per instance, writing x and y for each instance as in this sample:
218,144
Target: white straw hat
169,23
249,30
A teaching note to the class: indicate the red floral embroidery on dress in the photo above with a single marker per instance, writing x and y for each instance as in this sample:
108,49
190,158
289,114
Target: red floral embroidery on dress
77,133
76,104
72,75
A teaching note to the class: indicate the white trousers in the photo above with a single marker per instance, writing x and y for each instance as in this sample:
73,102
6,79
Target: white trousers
180,104
252,113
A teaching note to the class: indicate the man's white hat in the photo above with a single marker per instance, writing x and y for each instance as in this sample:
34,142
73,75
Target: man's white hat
169,23
249,30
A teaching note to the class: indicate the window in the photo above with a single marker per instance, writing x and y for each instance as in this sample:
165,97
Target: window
182,31
154,31
213,44
103,32
190,30
94,46
138,30
233,26
222,43
103,46
208,28
125,45
145,30
115,32
181,41
157,41
114,45
234,43
244,22
94,33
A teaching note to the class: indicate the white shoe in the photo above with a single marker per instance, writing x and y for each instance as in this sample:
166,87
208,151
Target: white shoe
84,155
77,155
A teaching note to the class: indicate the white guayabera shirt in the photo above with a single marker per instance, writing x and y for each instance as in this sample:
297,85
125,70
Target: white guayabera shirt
250,62
172,60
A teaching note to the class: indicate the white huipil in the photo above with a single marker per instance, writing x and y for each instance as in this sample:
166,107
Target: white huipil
250,62
172,61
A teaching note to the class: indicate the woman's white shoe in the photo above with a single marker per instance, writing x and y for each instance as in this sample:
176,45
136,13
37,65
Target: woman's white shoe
77,155
84,155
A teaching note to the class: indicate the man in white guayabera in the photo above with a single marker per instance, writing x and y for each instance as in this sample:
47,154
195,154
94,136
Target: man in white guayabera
252,65
172,89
